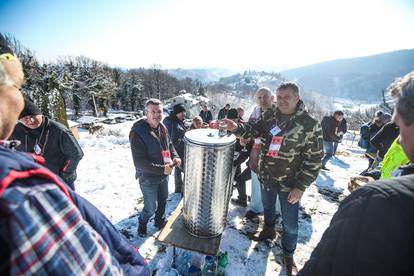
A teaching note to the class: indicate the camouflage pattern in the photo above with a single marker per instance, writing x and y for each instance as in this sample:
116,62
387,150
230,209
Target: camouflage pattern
299,158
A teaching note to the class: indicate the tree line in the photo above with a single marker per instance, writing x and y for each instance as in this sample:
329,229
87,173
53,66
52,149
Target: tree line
84,84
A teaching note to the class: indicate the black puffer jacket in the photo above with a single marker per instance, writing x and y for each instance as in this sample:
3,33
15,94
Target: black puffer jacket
58,146
383,139
329,125
372,233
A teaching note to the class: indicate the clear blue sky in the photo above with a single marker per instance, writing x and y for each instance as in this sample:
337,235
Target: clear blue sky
234,34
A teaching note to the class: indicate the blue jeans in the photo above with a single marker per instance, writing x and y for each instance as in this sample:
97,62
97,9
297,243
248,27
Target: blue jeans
335,147
290,216
256,204
155,192
328,148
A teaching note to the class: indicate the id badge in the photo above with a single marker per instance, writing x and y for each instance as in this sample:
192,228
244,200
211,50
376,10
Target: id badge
257,143
275,130
37,149
166,156
274,146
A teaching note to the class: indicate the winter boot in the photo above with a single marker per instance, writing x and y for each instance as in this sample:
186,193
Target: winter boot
250,215
268,233
290,266
142,229
160,223
239,202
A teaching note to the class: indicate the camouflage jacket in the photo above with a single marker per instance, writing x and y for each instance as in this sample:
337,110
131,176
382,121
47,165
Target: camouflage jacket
298,160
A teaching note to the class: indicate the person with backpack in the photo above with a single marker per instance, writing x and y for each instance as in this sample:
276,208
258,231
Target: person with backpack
45,227
371,233
368,131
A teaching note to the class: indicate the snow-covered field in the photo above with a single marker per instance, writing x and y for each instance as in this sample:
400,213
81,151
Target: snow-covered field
106,178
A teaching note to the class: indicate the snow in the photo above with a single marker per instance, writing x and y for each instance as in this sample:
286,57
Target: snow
352,105
106,178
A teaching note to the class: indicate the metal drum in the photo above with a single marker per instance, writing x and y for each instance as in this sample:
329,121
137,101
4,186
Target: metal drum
208,181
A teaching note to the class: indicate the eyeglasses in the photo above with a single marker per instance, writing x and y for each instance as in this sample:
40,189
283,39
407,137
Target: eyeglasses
28,118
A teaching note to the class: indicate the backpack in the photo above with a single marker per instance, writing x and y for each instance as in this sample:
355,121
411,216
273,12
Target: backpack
41,230
364,136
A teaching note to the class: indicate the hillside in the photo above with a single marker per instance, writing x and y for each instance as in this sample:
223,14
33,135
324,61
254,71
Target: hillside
204,75
361,78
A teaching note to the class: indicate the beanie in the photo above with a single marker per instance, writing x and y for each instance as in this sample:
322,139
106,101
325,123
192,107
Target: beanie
178,108
29,109
232,114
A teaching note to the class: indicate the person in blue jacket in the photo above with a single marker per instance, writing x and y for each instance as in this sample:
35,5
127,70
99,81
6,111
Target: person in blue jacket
81,230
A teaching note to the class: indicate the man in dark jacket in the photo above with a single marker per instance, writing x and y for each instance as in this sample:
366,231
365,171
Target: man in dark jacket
154,159
223,112
176,129
380,118
383,139
333,128
372,231
242,154
52,217
45,137
206,115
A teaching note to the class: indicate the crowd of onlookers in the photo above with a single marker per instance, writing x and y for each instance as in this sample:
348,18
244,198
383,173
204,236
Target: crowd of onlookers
47,228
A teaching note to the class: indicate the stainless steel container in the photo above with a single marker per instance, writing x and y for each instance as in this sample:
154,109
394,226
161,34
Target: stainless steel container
208,181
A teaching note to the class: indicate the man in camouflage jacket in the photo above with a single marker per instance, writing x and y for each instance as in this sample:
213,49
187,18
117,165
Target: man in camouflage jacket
290,161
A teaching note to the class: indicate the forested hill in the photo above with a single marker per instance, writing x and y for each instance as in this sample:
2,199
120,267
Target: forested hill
204,75
361,78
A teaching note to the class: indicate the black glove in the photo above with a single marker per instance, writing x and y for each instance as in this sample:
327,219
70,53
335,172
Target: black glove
68,177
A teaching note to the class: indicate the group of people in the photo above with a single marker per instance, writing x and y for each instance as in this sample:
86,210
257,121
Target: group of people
47,228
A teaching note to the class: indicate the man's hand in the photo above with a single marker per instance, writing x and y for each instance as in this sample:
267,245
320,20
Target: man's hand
231,126
168,169
295,195
176,162
244,142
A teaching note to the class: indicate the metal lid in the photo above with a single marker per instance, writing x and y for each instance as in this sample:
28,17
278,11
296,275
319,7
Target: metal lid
208,137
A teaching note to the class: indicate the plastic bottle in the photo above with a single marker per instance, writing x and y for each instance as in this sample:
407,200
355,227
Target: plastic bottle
183,263
209,267
222,263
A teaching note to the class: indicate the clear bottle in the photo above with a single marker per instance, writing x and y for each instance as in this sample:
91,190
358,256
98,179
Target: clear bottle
184,262
222,128
209,267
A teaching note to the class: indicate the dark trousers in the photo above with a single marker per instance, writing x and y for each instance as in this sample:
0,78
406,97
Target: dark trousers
178,180
241,179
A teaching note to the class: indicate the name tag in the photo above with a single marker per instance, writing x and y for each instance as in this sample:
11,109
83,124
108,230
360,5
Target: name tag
274,146
166,156
275,131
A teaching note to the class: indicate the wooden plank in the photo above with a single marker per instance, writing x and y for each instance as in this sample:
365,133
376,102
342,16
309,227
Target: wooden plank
175,234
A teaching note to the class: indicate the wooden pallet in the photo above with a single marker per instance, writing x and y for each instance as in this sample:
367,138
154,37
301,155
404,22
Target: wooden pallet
175,234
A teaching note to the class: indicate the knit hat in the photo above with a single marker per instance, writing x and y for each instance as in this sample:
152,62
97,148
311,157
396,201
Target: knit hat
6,52
29,109
385,118
232,114
178,108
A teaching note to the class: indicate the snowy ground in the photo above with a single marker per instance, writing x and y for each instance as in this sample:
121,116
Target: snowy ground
106,178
